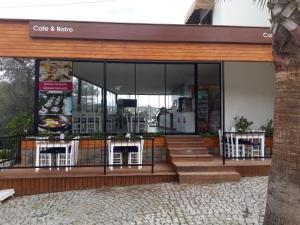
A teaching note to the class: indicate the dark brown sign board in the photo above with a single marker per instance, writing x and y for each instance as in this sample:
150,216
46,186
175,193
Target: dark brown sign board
149,32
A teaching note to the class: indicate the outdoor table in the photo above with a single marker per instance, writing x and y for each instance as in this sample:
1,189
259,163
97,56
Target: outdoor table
115,144
52,147
247,136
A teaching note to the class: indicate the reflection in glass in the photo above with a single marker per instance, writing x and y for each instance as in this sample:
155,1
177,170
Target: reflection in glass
180,116
209,98
121,103
87,98
150,93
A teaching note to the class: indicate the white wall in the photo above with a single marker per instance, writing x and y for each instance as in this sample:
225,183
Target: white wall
249,91
240,13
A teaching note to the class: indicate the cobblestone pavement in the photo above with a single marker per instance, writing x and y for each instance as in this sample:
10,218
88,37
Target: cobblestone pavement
215,204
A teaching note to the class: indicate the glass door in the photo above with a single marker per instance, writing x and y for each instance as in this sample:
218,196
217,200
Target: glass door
208,98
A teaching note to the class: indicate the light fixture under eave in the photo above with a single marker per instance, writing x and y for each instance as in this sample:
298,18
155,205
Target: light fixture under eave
118,88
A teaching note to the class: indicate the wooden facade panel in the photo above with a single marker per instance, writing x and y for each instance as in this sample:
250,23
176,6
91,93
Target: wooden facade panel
15,41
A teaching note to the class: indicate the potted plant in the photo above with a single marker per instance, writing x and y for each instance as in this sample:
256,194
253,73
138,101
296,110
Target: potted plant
269,129
242,124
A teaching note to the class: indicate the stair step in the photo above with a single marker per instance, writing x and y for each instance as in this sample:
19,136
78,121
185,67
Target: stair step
205,166
208,177
183,138
177,144
188,151
191,158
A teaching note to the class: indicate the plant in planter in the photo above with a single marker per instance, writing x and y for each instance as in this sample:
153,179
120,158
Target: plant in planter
242,124
268,128
98,135
156,134
209,134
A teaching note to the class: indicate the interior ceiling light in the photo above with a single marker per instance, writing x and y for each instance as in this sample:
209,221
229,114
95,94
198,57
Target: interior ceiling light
118,87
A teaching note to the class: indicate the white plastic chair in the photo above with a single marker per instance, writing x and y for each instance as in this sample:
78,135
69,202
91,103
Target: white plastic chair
70,157
136,157
241,147
42,159
227,146
114,158
254,148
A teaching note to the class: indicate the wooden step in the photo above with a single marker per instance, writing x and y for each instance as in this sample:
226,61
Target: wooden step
208,177
194,138
179,144
204,166
188,151
191,158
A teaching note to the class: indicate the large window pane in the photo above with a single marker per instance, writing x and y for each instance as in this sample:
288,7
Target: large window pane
209,98
88,97
150,93
121,102
180,114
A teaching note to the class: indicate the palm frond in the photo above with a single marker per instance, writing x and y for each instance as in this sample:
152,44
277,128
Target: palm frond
261,3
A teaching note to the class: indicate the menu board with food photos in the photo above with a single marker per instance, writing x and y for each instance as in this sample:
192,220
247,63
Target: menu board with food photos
55,96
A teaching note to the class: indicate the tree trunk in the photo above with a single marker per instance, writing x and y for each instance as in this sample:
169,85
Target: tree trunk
283,201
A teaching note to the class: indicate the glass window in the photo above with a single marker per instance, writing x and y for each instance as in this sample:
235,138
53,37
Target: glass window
88,84
209,98
150,93
121,101
180,99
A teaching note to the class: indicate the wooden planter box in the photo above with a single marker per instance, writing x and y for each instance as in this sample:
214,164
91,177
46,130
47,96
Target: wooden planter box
211,142
269,141
159,142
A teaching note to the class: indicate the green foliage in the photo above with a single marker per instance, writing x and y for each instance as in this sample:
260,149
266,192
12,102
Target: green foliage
209,134
156,134
16,90
4,154
20,124
268,128
242,123
99,135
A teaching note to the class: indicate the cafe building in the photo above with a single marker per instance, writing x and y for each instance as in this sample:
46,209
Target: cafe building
108,79
141,78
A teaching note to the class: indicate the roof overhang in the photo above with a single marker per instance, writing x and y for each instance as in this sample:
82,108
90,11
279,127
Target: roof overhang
198,5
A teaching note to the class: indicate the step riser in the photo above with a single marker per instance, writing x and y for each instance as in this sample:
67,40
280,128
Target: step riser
190,179
203,168
183,139
188,152
185,159
184,145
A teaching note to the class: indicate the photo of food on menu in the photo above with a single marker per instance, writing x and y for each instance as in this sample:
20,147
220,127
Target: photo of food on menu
55,102
55,71
55,96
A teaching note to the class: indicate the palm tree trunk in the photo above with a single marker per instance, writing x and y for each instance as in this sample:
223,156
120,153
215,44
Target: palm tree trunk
283,201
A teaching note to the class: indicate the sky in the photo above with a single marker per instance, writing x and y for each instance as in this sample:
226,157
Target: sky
134,11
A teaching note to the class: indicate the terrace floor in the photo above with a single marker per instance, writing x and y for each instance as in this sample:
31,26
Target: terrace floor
28,181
